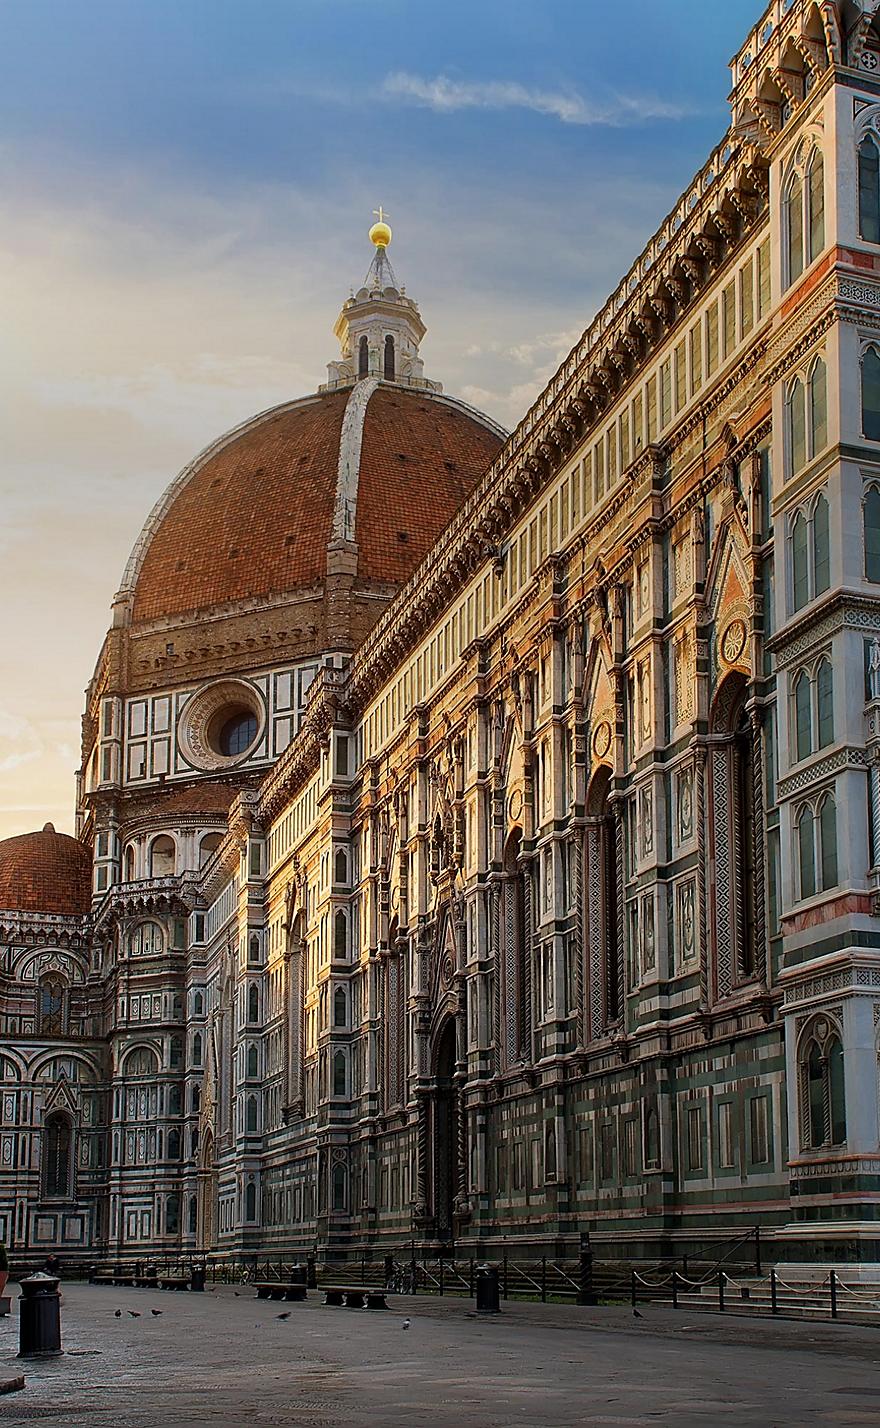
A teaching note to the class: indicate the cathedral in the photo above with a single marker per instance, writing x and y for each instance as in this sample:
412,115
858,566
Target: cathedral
478,835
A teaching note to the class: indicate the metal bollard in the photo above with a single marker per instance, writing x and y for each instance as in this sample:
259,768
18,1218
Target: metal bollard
487,1290
39,1316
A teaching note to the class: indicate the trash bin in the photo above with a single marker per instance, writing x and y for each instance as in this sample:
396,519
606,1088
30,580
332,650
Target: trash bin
197,1278
488,1301
39,1316
298,1275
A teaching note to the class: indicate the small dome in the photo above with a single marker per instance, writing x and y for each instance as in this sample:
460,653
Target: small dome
45,872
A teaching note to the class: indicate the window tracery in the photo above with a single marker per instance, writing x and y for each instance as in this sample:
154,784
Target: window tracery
809,551
822,1090
815,824
813,708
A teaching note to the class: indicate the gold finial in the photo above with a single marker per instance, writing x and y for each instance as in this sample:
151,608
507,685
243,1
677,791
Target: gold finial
380,233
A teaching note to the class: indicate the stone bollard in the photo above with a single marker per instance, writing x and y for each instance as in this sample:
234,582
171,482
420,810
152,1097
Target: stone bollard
488,1300
39,1316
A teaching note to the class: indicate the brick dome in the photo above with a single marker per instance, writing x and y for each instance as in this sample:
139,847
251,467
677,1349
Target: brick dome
378,466
45,872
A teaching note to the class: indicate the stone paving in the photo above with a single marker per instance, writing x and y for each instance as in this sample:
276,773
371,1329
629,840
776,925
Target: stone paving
218,1359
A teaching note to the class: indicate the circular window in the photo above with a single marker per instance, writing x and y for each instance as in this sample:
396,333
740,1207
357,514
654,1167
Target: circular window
221,724
236,733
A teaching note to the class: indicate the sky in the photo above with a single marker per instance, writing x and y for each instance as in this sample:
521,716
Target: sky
186,191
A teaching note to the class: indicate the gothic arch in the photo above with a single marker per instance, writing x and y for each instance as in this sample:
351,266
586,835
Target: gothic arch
207,1193
603,912
736,837
447,1159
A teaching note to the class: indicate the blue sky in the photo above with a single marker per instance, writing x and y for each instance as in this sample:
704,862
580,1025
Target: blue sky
187,188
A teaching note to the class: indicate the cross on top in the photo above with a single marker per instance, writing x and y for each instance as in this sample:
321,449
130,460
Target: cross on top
380,213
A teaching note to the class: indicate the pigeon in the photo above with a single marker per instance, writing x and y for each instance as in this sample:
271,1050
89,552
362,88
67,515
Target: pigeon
405,1324
155,1313
118,1314
637,1315
283,1316
135,1313
236,1293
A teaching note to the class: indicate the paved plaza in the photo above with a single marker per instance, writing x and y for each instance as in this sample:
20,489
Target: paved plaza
219,1359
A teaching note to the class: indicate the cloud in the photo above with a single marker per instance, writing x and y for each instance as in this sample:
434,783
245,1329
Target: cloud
446,96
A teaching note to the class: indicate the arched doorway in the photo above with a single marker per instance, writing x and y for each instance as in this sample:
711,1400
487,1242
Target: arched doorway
207,1233
444,1158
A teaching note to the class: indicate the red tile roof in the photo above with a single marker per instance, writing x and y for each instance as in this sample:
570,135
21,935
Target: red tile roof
45,872
420,458
255,518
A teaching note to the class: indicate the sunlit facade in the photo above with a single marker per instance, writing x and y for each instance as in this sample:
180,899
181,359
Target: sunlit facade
483,835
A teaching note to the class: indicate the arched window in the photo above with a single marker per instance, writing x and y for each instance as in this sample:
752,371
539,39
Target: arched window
389,372
869,191
871,520
208,847
340,1078
799,565
796,426
195,1099
818,408
251,1113
146,940
815,206
793,219
810,552
340,936
363,358
197,1049
252,1061
803,715
824,704
340,868
816,830
193,1214
871,394
821,546
198,1004
52,1008
804,216
175,1099
57,1158
813,709
176,1049
806,844
163,856
340,1197
340,1007
130,863
250,1202
174,1144
822,1089
253,1002
828,842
